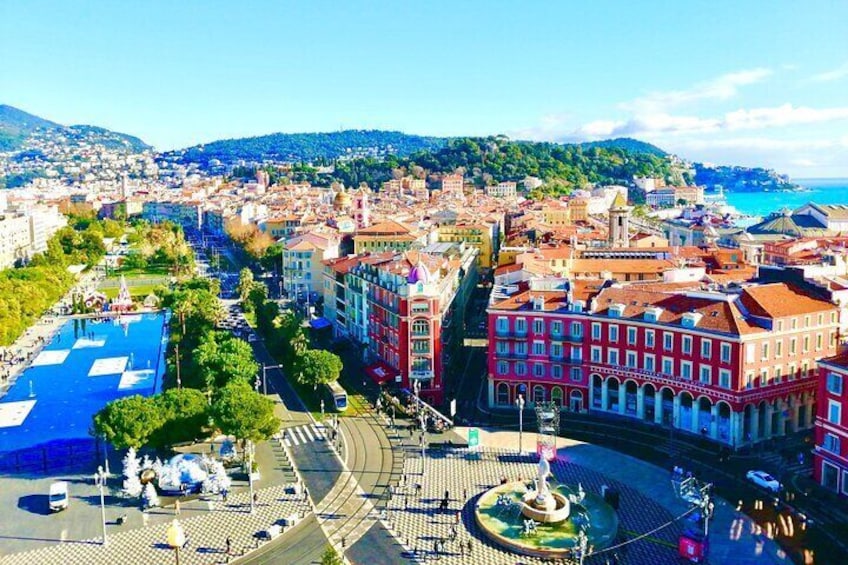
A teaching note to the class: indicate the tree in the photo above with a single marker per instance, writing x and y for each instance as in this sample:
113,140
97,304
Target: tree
222,358
245,284
316,367
128,422
183,414
241,412
331,557
132,468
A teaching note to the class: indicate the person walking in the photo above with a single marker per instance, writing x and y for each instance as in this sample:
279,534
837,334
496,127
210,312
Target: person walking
229,544
177,507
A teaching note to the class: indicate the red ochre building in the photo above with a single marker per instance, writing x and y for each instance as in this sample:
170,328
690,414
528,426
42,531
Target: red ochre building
830,467
738,367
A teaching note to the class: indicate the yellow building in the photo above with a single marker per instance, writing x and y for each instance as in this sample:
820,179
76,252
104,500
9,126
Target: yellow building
480,235
386,236
556,214
280,226
579,209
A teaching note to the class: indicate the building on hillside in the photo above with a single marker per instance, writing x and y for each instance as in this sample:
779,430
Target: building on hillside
283,226
689,195
661,198
452,185
189,215
737,368
556,214
361,209
830,457
505,189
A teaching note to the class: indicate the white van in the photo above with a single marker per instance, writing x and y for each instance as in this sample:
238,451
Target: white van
58,499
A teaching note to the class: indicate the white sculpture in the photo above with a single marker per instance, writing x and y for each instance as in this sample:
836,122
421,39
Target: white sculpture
543,493
132,468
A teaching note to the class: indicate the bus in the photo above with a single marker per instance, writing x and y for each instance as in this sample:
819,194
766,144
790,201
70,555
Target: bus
337,395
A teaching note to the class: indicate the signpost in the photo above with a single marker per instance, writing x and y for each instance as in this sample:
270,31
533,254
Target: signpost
474,439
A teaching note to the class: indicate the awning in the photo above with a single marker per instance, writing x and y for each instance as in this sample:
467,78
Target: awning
380,373
319,323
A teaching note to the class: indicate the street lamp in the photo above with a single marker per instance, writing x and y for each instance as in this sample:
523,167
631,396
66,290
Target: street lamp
176,538
100,480
250,450
520,403
423,442
265,377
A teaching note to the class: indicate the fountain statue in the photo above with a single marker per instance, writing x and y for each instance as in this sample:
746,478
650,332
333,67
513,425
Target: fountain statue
543,505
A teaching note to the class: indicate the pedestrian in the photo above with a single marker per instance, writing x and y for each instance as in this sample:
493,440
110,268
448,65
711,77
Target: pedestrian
224,494
255,498
406,503
458,515
177,507
465,494
305,494
229,543
469,547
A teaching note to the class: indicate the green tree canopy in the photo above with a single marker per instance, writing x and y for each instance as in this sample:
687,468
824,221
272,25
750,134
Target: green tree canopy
128,422
183,413
241,412
316,367
245,284
221,358
331,557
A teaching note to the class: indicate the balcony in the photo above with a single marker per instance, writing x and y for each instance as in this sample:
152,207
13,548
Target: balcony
507,334
575,338
510,355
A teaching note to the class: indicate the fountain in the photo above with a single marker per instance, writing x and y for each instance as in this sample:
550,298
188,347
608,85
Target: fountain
545,522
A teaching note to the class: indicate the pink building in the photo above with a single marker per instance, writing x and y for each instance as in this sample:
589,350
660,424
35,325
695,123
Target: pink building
830,467
736,367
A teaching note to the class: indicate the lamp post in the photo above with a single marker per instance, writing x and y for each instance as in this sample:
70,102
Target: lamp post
423,442
250,451
520,403
175,537
265,376
100,480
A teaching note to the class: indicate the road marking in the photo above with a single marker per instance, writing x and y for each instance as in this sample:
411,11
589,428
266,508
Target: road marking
306,432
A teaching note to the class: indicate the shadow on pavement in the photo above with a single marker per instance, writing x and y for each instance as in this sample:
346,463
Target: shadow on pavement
34,503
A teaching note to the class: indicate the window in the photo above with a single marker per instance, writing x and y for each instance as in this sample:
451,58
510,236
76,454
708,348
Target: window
806,347
778,374
420,328
649,363
538,394
503,394
576,374
780,325
596,331
818,342
595,354
834,383
503,367
556,350
794,323
765,351
820,319
576,353
631,336
792,371
520,326
556,371
556,328
538,348
576,329
725,353
631,359
501,347
686,370
706,348
778,348
831,443
749,380
538,370
502,325
538,326
834,412
521,348
724,378
613,333
667,366
520,368
649,338
764,377
706,376
612,357
749,353
687,344
792,343
832,340
668,341
806,321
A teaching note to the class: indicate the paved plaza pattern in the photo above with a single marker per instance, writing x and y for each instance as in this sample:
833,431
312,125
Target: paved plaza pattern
206,533
647,503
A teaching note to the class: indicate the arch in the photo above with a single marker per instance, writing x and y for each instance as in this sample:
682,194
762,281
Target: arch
630,399
686,414
703,416
575,401
667,405
725,413
747,422
596,382
613,394
538,394
556,396
649,401
420,327
502,394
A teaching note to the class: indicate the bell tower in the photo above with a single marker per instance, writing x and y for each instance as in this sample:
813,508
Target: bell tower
619,222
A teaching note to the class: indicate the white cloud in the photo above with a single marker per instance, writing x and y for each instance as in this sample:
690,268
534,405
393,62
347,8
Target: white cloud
831,75
722,87
779,116
550,127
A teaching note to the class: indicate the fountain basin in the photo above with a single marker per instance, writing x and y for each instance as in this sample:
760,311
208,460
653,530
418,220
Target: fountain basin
553,510
505,525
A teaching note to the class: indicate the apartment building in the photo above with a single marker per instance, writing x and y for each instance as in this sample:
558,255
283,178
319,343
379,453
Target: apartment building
830,465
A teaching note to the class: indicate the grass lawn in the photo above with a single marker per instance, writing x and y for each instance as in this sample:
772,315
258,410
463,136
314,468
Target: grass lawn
160,270
135,291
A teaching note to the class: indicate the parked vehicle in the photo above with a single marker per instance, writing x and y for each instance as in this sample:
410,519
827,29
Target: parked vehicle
58,497
763,479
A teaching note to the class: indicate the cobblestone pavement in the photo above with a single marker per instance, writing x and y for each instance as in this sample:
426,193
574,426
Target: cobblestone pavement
206,535
647,503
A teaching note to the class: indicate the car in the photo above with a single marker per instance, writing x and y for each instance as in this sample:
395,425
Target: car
57,498
763,479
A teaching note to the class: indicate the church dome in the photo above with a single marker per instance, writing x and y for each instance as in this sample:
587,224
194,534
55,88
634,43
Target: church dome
418,274
341,200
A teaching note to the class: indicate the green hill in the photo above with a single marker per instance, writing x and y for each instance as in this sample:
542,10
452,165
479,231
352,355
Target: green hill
626,143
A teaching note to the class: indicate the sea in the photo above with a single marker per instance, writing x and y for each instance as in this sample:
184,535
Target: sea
820,191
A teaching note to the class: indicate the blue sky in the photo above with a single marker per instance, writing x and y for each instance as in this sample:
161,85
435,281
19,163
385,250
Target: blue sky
749,83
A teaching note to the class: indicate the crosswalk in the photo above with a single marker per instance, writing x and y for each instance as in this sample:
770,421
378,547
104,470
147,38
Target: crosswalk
299,435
